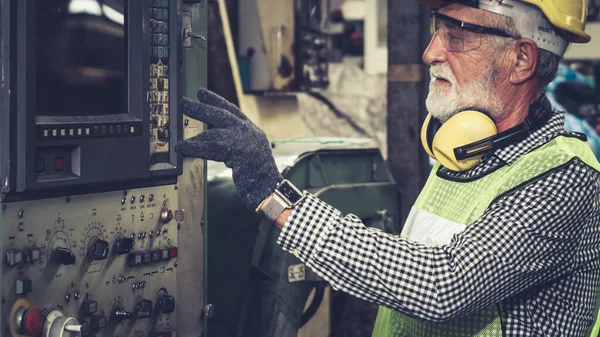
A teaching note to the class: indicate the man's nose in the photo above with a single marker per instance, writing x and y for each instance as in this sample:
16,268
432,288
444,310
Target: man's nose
435,52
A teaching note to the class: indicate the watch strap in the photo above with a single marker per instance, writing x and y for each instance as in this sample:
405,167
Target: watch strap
273,208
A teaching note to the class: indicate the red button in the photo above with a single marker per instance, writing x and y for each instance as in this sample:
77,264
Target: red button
173,252
32,321
58,164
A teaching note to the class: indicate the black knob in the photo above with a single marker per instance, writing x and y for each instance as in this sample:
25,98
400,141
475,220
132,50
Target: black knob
99,250
143,309
166,303
123,245
64,256
121,314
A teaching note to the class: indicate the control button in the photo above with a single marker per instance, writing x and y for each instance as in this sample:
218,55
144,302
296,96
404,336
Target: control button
132,129
156,255
32,321
166,303
123,245
46,133
88,307
54,133
58,164
142,198
40,165
173,252
151,197
14,257
132,199
32,254
143,309
134,259
98,322
71,132
123,200
64,256
79,131
146,257
23,287
87,131
63,132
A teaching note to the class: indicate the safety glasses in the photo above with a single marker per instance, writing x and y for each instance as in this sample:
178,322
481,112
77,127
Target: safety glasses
459,36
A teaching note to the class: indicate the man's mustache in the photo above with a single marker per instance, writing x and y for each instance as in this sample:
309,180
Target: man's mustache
441,72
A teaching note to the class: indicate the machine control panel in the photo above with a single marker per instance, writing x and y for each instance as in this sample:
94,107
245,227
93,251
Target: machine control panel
91,265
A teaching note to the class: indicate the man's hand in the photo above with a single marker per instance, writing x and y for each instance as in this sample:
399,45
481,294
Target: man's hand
234,140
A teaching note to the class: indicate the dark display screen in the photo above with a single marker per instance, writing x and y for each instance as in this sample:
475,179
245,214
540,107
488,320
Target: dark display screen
81,57
290,192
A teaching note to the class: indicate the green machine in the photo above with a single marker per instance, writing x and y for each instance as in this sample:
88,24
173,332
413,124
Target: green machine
253,287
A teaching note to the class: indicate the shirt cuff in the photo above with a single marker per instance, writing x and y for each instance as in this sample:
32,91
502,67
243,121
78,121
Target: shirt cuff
305,225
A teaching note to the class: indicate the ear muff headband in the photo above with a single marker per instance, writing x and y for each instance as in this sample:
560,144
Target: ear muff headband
539,113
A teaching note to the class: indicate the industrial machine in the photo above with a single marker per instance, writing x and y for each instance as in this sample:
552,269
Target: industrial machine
94,233
255,288
283,46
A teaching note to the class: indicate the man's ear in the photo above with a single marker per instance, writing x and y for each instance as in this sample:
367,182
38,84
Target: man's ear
525,61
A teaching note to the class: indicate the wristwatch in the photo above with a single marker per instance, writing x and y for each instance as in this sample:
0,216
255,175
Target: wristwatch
286,195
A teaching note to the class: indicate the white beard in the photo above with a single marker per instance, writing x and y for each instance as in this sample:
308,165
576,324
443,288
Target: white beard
445,101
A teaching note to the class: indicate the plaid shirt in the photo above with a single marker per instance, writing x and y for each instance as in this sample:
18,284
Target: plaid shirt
535,252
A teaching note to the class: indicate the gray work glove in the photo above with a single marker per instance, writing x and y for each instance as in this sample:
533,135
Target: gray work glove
234,140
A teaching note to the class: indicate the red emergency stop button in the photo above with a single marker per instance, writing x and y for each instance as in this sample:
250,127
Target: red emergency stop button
33,321
173,252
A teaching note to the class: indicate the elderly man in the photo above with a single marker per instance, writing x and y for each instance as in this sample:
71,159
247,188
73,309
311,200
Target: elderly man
504,239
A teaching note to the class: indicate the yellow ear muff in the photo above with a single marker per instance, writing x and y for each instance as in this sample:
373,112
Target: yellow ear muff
464,128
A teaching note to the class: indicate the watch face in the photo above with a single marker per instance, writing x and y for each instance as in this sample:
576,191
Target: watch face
290,192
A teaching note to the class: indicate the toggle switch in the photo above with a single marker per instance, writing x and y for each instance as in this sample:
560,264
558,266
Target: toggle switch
121,314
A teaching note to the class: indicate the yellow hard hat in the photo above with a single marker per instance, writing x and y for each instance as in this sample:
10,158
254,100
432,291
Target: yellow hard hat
566,15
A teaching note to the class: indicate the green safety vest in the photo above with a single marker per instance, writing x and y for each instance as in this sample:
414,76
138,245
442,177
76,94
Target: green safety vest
446,207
